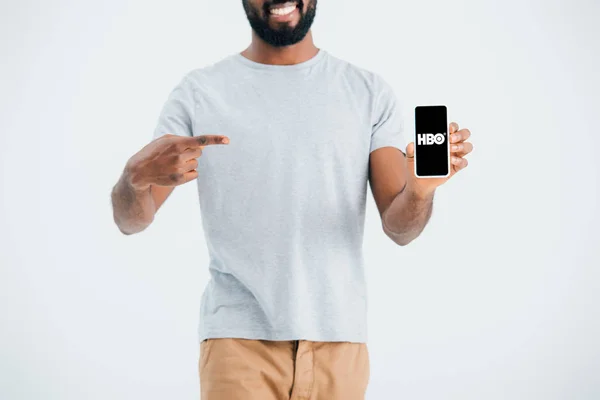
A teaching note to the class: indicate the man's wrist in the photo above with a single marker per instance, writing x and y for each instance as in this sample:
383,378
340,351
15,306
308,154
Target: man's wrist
133,180
419,191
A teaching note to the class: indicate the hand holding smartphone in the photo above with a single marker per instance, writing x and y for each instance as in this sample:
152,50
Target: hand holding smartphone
432,144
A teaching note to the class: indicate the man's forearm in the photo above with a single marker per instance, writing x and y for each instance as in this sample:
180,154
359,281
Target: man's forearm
406,217
133,209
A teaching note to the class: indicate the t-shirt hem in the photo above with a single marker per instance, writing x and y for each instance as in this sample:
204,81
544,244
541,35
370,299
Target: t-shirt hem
377,145
359,337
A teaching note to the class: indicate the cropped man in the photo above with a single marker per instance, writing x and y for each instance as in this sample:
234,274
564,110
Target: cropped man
282,140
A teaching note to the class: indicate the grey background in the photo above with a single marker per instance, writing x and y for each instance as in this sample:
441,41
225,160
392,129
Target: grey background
498,299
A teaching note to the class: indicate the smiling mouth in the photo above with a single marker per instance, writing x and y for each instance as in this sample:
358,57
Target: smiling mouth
283,9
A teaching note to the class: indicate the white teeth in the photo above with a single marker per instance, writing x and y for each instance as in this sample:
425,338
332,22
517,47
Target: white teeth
284,10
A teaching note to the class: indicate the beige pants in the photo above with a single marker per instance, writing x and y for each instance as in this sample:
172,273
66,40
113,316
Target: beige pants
241,369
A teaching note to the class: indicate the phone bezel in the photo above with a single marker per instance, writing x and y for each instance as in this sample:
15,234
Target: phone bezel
447,144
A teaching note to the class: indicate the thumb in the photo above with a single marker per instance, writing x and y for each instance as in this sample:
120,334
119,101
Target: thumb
410,150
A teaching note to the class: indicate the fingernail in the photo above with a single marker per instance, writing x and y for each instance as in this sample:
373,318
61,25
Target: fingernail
225,140
454,147
454,160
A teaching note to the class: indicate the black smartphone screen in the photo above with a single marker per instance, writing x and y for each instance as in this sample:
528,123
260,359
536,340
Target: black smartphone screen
431,141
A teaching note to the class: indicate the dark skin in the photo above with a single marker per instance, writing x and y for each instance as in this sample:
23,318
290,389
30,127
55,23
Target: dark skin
403,200
151,175
263,53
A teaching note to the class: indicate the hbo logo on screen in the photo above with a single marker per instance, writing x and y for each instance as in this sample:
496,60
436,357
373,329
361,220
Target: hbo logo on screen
430,138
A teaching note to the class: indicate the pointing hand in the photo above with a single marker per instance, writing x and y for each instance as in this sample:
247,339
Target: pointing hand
169,160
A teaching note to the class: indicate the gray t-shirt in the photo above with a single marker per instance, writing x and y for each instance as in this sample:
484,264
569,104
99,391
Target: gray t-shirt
283,204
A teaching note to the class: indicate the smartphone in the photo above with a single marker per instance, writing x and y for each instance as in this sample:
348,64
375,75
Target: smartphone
432,143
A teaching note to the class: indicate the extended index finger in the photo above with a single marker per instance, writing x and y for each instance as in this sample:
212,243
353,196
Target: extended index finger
206,140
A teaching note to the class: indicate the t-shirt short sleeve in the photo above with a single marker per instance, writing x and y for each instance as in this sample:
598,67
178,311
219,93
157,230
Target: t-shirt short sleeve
177,114
388,122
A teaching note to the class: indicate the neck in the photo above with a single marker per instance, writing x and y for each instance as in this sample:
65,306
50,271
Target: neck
262,52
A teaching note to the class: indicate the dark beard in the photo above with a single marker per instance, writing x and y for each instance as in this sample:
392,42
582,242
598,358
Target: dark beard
284,36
